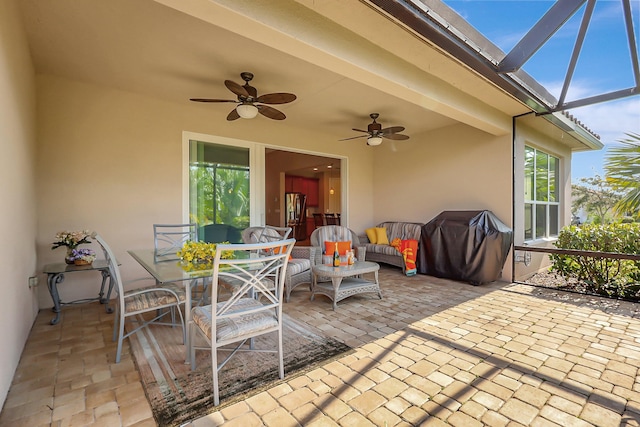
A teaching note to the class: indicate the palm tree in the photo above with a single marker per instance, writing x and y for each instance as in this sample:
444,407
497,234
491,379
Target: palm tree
622,168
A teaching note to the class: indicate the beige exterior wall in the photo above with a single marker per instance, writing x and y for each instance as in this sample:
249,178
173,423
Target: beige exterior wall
453,168
18,210
526,136
111,161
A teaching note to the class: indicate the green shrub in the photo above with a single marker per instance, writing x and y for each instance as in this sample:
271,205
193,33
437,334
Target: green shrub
604,276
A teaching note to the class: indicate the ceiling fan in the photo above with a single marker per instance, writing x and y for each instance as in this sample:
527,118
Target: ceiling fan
249,103
375,133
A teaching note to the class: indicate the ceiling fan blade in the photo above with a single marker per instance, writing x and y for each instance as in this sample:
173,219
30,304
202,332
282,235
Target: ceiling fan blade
396,136
276,98
233,115
210,100
354,137
392,129
236,88
271,112
360,130
252,91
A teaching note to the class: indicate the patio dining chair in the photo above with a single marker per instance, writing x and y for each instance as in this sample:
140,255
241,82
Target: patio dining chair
139,303
253,309
302,257
169,238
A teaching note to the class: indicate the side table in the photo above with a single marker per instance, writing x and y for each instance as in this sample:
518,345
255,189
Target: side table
55,275
346,280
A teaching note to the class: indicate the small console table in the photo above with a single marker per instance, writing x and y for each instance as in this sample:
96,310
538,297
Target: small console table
55,275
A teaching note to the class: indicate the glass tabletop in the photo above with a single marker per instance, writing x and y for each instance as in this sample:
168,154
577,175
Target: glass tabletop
169,268
165,269
61,267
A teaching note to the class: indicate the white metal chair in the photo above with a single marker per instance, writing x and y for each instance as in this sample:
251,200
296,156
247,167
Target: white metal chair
140,301
169,238
300,262
254,308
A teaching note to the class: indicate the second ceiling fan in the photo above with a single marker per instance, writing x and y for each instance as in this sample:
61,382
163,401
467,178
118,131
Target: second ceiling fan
375,132
249,103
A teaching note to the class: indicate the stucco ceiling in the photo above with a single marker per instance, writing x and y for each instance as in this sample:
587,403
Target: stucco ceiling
334,55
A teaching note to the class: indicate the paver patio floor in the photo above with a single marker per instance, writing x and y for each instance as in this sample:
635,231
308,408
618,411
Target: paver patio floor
431,352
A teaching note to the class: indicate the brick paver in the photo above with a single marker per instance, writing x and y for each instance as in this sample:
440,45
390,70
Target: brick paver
431,352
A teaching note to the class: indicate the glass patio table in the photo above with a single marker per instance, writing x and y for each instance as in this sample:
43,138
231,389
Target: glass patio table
168,269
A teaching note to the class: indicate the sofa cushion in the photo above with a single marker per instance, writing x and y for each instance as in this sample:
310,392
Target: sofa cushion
381,236
382,249
371,234
402,230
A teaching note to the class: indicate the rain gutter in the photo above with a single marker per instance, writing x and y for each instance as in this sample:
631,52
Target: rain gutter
444,28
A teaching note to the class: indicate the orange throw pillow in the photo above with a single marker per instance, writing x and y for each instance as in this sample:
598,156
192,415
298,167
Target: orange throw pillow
343,247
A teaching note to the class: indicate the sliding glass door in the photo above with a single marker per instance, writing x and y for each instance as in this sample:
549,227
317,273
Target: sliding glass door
219,189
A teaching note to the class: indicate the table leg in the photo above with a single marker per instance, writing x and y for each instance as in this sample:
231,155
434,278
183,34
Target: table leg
375,273
105,276
52,284
335,281
187,320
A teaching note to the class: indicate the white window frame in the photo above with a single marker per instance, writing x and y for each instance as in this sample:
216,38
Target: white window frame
547,204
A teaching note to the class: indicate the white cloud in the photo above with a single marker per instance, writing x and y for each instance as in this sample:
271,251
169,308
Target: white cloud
613,119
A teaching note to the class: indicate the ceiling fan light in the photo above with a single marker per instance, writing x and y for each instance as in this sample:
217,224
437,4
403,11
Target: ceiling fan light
374,140
247,111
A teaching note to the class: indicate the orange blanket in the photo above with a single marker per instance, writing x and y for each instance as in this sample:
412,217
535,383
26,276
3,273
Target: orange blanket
409,250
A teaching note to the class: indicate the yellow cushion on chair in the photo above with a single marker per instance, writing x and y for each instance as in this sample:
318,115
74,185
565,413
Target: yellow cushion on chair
371,235
381,236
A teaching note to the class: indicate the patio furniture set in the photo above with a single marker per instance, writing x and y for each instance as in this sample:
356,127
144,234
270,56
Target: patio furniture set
261,272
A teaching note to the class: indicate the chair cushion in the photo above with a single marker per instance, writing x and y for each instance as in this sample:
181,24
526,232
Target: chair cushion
233,327
152,298
343,247
298,265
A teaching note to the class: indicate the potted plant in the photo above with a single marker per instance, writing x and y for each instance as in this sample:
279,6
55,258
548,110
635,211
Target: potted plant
72,239
82,256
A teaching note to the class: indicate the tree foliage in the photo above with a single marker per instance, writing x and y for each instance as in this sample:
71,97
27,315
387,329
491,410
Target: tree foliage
597,197
622,168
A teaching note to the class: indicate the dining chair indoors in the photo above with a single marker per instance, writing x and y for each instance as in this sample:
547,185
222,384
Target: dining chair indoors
254,308
144,304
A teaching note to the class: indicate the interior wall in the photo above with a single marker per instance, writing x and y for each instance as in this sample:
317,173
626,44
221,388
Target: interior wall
18,207
111,161
453,168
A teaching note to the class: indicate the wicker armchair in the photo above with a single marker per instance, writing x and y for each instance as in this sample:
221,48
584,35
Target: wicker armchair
298,270
335,233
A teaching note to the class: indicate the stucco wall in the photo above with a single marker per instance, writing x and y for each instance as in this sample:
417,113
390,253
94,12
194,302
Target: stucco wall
17,192
111,161
526,136
453,168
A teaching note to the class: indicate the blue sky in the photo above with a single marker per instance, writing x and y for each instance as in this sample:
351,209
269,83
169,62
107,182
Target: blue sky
604,64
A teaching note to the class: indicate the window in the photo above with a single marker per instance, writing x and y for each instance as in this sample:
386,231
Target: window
219,184
541,202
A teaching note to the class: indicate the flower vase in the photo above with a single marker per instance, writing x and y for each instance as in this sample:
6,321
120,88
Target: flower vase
81,262
69,256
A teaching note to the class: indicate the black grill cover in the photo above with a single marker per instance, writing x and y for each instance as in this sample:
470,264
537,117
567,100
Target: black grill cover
469,246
